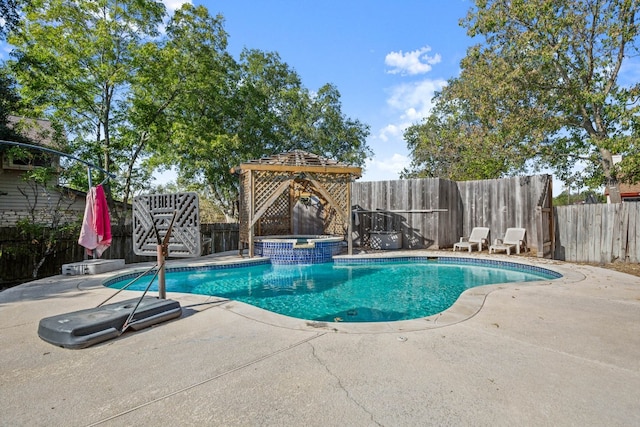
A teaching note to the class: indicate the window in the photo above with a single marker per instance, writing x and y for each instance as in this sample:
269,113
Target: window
28,162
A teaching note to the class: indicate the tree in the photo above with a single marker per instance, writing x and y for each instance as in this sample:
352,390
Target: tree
75,61
178,95
50,221
454,142
548,73
188,84
328,132
9,104
9,16
581,197
133,99
249,109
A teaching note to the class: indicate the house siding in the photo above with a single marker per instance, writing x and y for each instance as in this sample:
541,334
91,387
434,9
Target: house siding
14,206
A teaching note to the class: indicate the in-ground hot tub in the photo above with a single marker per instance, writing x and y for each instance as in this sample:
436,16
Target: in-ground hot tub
298,249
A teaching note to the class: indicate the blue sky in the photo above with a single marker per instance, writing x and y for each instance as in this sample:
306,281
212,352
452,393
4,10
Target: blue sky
386,57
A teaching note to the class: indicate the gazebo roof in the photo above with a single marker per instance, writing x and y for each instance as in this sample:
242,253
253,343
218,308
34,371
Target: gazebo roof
298,161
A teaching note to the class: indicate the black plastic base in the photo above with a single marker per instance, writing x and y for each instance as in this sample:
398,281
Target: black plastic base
84,328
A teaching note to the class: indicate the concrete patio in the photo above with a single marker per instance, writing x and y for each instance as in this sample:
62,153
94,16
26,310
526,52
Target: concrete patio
561,352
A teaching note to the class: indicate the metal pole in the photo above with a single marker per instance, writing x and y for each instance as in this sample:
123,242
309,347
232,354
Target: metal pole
59,153
93,252
163,252
162,289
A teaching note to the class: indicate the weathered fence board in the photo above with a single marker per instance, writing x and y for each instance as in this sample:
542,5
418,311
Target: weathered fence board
617,224
503,203
585,232
458,207
633,234
219,237
598,233
424,211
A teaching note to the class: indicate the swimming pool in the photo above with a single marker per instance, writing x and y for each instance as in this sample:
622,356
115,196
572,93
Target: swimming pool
355,290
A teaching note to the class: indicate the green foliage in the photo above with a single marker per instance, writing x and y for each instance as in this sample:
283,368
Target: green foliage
567,198
49,220
74,60
10,14
44,240
456,143
229,112
210,211
9,103
543,89
133,98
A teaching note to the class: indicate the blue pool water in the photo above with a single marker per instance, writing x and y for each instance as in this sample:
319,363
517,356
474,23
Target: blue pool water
363,292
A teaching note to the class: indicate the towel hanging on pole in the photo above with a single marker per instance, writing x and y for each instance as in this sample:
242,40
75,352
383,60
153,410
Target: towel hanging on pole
95,234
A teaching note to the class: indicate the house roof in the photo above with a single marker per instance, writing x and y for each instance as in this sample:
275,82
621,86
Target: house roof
36,130
629,189
626,190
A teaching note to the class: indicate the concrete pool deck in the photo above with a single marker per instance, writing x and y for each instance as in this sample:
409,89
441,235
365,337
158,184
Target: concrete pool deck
555,352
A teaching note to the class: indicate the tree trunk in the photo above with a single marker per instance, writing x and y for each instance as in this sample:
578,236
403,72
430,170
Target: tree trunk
612,184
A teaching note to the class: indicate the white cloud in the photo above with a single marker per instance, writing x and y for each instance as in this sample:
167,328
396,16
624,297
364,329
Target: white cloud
414,100
395,164
410,103
411,63
173,5
390,131
385,168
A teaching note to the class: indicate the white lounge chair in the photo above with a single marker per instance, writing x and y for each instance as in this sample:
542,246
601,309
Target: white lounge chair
478,238
513,238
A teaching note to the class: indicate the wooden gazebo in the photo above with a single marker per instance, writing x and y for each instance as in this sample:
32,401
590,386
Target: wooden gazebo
271,186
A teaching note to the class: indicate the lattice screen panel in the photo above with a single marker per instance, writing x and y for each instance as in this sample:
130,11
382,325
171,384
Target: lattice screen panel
336,186
158,209
277,218
266,183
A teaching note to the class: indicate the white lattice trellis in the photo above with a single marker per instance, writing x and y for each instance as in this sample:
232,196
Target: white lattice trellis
158,210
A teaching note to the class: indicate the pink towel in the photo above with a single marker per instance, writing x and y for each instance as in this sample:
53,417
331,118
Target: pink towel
95,233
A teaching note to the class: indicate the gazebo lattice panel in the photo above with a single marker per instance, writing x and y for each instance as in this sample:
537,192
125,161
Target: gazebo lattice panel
265,185
270,187
276,218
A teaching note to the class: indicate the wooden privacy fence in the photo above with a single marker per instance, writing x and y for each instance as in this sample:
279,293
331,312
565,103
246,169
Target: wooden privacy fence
17,255
426,213
598,233
435,213
521,201
219,237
